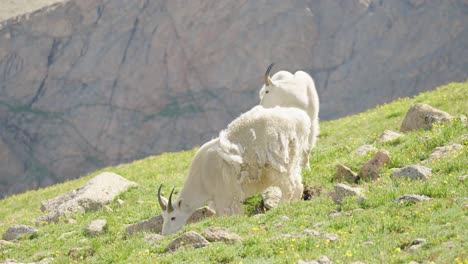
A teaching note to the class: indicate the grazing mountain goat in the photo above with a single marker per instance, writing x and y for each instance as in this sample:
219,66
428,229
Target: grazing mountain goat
288,90
261,148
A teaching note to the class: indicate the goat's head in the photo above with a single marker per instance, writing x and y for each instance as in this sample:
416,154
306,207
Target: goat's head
172,213
268,83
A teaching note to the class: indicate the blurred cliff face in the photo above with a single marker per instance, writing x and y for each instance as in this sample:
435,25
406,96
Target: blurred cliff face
91,83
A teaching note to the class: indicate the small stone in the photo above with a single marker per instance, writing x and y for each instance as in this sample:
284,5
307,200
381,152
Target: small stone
388,136
344,173
271,197
284,218
107,209
412,172
189,239
70,221
4,244
153,238
448,244
423,116
278,225
319,224
311,232
80,253
331,237
370,170
200,214
445,151
335,214
368,243
140,202
363,150
18,231
463,178
96,227
412,198
214,234
416,244
343,190
322,260
42,255
65,235
120,202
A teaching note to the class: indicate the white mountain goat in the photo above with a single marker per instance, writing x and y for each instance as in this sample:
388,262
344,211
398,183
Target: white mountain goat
288,90
261,148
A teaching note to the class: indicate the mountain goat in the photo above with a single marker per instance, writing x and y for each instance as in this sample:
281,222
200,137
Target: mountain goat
288,90
261,148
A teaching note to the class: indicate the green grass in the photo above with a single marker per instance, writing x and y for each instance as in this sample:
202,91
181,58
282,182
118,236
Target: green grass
391,227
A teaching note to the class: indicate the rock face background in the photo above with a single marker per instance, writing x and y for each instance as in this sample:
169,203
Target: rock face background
91,83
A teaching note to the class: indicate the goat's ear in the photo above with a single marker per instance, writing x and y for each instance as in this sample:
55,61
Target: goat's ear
179,203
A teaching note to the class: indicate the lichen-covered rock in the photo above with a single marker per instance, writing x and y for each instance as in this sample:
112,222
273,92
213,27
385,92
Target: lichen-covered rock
388,136
96,227
371,169
445,151
344,173
189,239
413,172
364,150
412,198
343,190
215,234
271,197
18,231
95,194
423,116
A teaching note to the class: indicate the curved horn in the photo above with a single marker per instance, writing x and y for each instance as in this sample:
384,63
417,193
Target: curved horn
268,81
163,206
169,204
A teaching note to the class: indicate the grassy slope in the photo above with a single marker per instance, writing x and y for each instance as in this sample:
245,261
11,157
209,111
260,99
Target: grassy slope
388,225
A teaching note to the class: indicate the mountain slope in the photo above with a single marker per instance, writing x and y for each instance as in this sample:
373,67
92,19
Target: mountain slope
388,227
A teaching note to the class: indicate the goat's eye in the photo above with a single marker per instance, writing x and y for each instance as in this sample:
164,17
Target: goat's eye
173,218
267,91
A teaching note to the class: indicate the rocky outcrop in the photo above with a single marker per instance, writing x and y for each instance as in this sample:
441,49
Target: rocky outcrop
91,83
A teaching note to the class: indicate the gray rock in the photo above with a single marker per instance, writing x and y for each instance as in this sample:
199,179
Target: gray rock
18,231
214,234
80,253
271,197
364,150
322,260
368,243
423,116
65,235
200,214
344,173
463,178
412,198
343,190
94,195
412,172
120,202
189,239
96,227
388,136
153,225
284,218
153,238
445,151
371,169
416,244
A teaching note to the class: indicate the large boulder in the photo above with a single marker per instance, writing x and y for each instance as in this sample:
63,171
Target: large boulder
423,116
94,195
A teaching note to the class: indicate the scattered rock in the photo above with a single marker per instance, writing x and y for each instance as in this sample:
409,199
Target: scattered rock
344,173
189,239
80,253
140,202
307,232
271,197
322,260
363,150
463,178
335,214
153,225
70,221
413,172
200,214
4,244
98,192
416,244
96,227
343,190
18,231
412,198
120,202
284,218
214,234
42,255
370,170
65,235
153,238
423,116
449,150
448,244
368,243
388,136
